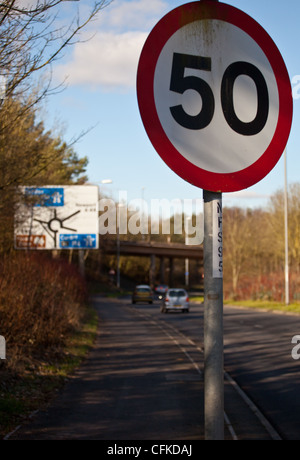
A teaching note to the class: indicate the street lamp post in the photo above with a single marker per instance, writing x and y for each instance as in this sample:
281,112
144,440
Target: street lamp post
118,249
102,182
187,265
143,214
287,291
119,205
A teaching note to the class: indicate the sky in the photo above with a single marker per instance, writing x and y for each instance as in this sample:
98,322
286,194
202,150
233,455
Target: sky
100,98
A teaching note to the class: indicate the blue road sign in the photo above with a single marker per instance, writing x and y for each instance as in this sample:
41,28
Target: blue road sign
78,241
46,196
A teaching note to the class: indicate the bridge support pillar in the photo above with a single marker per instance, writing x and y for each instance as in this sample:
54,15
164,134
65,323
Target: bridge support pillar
171,273
152,270
162,270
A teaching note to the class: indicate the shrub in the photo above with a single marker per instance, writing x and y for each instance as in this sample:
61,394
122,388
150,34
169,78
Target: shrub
41,302
265,287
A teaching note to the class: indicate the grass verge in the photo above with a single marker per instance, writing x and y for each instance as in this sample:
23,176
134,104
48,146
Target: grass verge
197,299
34,387
259,304
266,305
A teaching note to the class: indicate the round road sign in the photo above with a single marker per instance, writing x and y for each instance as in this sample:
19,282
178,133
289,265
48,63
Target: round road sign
214,96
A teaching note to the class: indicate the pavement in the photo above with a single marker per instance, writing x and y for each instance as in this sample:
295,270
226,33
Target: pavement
127,390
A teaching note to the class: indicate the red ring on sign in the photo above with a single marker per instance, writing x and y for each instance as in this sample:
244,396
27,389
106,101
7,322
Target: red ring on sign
167,26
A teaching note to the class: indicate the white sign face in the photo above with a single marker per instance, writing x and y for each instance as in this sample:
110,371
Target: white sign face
215,96
58,217
197,117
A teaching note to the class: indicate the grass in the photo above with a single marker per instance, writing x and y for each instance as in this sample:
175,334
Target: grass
258,304
197,299
25,392
266,305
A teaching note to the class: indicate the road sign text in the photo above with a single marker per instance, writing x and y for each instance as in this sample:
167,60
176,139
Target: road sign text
181,83
217,240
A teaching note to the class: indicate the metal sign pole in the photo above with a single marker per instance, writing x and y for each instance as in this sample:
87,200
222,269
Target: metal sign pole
213,317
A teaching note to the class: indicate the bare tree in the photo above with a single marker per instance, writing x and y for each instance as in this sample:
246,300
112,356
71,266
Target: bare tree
32,37
277,211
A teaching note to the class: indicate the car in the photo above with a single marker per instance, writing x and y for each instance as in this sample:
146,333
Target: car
161,291
176,300
142,293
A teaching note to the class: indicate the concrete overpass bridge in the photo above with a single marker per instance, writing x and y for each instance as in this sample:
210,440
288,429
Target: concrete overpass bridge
162,251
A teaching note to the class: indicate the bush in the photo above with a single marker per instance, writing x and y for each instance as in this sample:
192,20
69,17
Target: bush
269,287
41,302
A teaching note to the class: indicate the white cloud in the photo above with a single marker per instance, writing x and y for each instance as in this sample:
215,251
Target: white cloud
131,14
248,194
246,199
109,60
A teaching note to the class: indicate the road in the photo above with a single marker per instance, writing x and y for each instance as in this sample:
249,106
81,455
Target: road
144,378
258,356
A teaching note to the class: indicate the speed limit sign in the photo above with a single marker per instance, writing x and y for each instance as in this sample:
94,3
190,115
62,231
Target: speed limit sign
215,96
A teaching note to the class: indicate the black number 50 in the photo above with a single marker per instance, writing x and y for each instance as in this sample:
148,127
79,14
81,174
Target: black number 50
181,83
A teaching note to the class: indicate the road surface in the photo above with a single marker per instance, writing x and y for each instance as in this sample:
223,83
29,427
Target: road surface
144,378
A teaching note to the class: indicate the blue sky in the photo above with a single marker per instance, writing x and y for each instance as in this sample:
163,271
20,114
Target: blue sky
101,93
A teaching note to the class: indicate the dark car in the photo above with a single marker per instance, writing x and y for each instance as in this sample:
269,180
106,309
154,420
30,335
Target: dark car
142,293
161,291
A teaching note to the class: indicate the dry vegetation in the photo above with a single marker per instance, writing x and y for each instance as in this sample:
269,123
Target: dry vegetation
41,303
254,249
